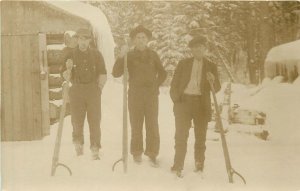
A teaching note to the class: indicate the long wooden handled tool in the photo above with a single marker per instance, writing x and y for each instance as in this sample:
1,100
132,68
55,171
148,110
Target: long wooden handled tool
124,158
230,170
55,159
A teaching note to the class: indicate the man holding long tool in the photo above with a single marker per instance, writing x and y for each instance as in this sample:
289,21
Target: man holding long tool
146,74
88,76
190,92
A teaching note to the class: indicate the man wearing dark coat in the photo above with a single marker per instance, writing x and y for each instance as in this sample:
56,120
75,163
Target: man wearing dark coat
85,68
146,74
190,92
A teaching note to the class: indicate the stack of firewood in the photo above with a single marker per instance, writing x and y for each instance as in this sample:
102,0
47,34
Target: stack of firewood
55,45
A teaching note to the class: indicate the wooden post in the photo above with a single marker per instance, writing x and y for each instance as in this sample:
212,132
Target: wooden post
44,84
6,90
55,158
125,126
124,158
222,133
230,170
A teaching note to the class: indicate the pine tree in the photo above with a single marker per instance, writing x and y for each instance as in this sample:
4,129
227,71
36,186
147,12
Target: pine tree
230,27
165,34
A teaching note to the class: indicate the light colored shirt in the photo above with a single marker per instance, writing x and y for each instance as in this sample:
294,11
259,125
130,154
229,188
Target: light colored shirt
193,87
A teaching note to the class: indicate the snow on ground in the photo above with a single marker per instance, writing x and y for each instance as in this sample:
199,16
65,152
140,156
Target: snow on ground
266,165
281,103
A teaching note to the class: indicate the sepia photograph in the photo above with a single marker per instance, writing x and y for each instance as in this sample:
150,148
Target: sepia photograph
114,95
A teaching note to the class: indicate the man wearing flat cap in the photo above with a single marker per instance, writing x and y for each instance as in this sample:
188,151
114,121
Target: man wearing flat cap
146,74
190,92
85,68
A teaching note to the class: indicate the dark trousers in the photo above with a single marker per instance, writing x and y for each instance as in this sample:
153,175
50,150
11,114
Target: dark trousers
85,99
143,106
190,108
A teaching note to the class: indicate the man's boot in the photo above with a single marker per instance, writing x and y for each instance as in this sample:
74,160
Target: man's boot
137,159
199,166
79,149
153,161
176,171
95,153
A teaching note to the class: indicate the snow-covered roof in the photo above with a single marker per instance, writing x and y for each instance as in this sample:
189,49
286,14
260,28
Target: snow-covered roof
98,21
284,52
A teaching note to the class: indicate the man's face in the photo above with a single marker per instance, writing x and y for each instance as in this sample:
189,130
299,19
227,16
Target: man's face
140,41
70,41
83,43
199,51
73,42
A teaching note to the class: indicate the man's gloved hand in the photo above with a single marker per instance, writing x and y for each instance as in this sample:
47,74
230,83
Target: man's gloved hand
67,73
101,81
101,86
210,77
69,64
124,50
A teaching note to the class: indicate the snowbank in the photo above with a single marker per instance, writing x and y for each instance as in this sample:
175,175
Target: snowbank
284,60
288,51
280,102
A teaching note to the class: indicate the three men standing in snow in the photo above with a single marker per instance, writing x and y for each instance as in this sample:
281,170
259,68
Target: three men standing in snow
190,92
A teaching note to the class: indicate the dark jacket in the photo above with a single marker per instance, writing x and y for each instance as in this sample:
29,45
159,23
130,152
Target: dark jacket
144,68
182,77
87,66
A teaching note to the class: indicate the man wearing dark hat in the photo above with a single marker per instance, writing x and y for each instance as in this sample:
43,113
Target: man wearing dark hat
146,74
190,92
88,76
